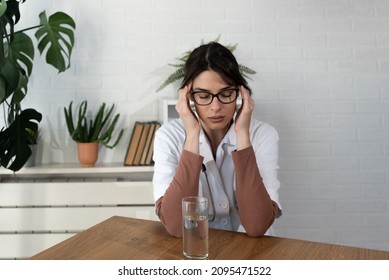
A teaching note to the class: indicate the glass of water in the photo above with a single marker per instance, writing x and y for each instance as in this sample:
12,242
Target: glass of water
195,227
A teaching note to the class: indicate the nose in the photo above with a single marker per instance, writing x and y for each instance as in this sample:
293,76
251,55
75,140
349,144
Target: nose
215,104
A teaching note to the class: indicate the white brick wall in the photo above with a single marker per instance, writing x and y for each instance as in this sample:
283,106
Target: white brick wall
323,82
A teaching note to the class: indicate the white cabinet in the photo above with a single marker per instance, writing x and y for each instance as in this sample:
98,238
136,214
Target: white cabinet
41,206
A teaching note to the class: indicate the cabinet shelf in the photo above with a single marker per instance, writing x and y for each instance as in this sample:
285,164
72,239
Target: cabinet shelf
70,170
75,168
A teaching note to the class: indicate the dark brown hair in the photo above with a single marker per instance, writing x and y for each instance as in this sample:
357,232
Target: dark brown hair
216,57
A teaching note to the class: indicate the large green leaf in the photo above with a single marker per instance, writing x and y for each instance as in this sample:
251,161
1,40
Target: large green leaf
15,140
56,34
22,52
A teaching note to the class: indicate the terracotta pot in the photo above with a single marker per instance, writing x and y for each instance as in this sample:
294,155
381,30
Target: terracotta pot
87,153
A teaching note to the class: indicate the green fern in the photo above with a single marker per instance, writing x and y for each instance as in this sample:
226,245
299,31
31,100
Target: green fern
179,73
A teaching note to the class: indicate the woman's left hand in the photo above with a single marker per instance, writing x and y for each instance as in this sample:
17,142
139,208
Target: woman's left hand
243,119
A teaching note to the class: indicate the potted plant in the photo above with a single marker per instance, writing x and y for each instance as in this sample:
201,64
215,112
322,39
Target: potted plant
55,37
89,133
178,74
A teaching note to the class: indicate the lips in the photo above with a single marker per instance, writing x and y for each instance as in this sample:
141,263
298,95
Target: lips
216,119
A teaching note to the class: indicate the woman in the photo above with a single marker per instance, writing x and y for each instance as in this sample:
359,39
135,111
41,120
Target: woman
217,151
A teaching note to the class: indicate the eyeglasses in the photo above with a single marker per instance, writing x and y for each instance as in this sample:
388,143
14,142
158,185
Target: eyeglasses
204,97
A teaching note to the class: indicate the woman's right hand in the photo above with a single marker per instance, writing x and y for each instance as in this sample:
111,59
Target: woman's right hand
191,124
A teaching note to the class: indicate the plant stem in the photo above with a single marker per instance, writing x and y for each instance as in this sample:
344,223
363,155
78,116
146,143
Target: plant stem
26,29
2,54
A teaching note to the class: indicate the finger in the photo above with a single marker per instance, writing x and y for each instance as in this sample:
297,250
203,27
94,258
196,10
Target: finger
245,93
181,99
183,94
183,90
248,101
183,102
188,89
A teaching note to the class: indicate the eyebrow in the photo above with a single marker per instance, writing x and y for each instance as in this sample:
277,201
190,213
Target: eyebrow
207,90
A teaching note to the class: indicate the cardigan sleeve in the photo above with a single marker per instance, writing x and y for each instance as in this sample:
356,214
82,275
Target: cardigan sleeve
256,209
185,183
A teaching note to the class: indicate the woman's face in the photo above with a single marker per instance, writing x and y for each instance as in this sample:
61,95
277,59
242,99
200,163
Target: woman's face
215,116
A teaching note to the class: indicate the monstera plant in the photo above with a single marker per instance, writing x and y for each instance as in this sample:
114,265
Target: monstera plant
55,37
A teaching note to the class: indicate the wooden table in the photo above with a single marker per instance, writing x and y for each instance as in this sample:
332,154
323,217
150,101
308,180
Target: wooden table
120,238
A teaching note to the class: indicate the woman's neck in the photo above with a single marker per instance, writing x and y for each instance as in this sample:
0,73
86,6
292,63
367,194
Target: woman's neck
215,137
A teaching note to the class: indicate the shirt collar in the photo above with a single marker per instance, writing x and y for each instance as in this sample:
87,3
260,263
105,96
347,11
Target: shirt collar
229,138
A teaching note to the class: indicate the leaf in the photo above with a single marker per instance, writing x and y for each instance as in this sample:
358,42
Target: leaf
21,90
2,88
22,52
10,74
21,55
12,12
3,7
175,76
246,71
98,123
14,141
69,118
57,36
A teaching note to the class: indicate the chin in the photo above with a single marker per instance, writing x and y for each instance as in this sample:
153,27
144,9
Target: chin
217,126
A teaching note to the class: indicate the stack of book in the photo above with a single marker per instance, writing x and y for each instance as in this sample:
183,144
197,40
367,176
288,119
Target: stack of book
141,147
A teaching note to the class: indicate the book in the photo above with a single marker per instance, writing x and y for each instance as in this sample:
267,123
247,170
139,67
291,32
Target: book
150,152
141,145
147,144
134,142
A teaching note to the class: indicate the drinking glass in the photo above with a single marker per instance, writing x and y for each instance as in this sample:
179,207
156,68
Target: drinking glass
195,227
